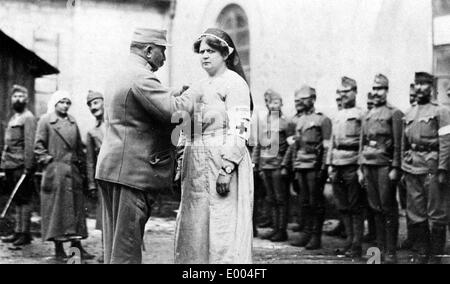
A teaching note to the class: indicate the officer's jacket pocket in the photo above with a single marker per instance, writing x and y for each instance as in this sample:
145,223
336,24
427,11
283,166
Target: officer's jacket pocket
428,127
16,132
353,127
381,126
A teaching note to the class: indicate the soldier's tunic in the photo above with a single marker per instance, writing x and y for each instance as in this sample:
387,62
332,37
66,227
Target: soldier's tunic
343,156
18,154
93,143
425,150
313,128
380,152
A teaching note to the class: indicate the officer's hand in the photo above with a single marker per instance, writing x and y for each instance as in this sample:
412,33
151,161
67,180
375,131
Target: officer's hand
360,177
261,174
180,92
442,177
255,168
223,185
394,175
284,172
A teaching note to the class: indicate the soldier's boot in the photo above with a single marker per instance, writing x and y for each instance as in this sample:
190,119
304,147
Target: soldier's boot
274,222
18,227
281,235
84,254
358,233
300,222
25,237
371,235
408,243
316,238
338,231
438,239
266,214
391,240
422,244
380,228
60,254
306,234
347,224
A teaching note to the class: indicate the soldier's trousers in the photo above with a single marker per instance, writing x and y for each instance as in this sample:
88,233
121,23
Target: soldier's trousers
347,190
277,195
125,213
382,197
22,199
426,200
311,199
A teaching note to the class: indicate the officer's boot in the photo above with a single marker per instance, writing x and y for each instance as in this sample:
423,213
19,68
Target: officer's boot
60,254
11,239
380,228
281,235
18,226
275,219
358,233
391,240
305,235
25,237
316,238
438,239
408,243
347,224
300,221
422,244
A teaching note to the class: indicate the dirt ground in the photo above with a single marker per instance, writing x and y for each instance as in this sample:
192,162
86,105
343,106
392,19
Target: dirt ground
159,248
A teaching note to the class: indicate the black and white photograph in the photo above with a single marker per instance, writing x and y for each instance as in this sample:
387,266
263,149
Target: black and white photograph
232,132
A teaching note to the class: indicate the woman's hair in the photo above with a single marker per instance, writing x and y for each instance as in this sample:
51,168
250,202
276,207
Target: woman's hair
214,43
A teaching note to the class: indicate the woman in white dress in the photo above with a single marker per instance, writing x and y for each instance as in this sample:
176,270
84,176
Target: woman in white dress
214,224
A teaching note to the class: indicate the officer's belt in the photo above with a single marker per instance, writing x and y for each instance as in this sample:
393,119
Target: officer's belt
348,147
422,148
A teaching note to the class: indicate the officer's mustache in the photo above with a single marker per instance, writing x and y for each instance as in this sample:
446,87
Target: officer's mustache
18,106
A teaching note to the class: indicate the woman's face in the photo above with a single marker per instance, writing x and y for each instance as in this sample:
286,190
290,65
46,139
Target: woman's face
62,107
211,59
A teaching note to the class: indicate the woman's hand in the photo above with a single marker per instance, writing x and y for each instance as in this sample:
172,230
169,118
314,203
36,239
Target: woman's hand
223,184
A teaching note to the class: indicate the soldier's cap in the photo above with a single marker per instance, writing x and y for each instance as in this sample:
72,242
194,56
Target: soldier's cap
268,93
146,35
423,78
275,96
92,95
380,81
19,88
347,84
306,92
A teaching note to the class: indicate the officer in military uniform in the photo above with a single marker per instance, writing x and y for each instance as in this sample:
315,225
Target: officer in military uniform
425,153
288,169
94,141
343,159
407,243
267,158
312,138
380,163
18,159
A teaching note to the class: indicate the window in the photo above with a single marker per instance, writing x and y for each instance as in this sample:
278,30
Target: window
234,21
442,71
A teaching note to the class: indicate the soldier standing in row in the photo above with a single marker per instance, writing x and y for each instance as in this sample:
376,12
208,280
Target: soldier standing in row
18,159
407,244
343,159
380,162
267,158
425,153
93,143
312,138
288,169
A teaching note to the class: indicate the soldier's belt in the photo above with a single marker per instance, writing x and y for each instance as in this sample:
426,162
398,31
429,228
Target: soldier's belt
423,148
348,147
